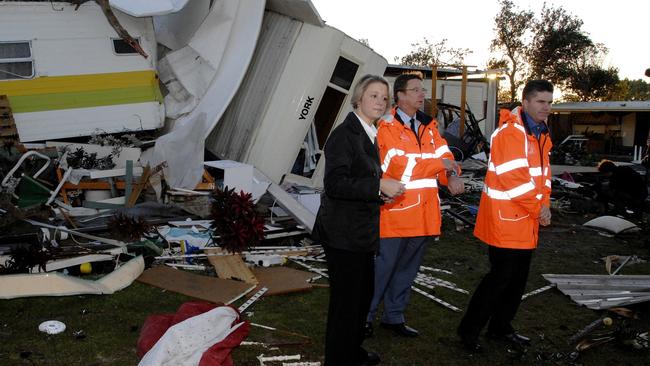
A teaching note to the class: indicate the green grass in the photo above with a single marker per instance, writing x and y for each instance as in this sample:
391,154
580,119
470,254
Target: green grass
111,323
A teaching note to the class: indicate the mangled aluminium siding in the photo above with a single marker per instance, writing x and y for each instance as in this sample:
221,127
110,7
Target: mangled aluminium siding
232,135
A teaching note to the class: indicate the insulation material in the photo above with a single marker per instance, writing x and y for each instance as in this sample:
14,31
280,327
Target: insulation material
612,224
58,284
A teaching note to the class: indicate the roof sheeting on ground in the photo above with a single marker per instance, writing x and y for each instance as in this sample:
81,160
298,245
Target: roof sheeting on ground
603,291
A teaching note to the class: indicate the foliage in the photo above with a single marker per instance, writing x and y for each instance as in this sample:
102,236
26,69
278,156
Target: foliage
511,27
24,258
553,47
236,224
427,54
592,83
128,228
589,81
558,43
80,159
627,89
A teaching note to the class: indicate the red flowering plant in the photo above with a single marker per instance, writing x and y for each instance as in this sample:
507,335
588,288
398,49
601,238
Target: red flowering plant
236,224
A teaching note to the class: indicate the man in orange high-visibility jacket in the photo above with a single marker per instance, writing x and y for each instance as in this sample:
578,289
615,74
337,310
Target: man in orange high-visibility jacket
515,201
412,151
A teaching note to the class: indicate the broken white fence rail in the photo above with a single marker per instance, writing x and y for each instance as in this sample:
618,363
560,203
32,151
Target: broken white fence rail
439,301
538,291
253,298
433,281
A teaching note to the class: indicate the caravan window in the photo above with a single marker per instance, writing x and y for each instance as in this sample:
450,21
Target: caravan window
16,60
344,73
121,47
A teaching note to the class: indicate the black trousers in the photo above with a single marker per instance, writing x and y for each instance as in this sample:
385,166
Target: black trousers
498,295
351,289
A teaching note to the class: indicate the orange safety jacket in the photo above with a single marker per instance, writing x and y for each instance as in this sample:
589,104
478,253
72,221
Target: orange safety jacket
418,165
517,184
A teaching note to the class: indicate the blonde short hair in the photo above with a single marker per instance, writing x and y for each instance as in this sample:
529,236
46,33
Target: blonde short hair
361,86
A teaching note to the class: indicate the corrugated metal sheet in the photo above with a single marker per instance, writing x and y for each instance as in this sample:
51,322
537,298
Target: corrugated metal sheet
603,291
230,139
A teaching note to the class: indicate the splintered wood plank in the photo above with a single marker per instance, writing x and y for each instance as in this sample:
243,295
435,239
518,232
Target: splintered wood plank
230,266
211,289
7,123
282,280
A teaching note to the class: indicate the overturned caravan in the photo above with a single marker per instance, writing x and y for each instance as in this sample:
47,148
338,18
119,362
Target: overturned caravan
296,90
66,72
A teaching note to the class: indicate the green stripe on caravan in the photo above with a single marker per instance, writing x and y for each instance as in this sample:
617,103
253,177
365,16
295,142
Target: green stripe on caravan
81,91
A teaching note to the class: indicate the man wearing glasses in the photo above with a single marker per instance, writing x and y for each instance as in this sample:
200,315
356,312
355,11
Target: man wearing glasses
412,151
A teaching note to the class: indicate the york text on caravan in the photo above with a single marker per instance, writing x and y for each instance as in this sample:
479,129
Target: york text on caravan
305,108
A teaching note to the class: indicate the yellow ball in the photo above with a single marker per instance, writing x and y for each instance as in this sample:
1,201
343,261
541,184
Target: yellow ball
607,321
85,268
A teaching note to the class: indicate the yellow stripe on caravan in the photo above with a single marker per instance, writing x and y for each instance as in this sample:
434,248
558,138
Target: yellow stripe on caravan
81,91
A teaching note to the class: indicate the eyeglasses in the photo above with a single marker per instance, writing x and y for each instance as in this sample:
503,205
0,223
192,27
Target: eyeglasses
417,90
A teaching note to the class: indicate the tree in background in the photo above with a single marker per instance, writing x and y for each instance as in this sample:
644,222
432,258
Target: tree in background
587,80
627,89
427,54
552,47
557,46
511,26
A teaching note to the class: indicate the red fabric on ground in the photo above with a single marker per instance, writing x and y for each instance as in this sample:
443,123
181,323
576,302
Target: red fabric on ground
217,355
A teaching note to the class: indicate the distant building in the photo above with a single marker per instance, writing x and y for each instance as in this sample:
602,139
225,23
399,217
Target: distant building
481,91
612,127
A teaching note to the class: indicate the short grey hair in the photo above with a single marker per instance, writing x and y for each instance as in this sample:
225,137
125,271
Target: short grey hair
361,86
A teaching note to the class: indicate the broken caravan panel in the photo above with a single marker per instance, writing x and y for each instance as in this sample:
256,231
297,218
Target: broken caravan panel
300,74
202,77
78,77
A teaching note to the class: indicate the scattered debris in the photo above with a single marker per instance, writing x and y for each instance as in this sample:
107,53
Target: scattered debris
439,301
58,284
538,291
603,291
611,224
250,301
211,289
263,359
191,338
606,321
620,261
52,327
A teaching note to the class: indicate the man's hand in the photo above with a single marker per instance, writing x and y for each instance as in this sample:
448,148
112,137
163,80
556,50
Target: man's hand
545,216
455,185
391,188
451,166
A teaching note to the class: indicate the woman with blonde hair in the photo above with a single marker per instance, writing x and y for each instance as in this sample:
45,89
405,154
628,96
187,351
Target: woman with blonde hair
347,223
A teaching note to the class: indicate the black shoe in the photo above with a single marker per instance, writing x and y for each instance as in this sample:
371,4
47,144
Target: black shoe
370,359
401,329
512,338
470,345
368,330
